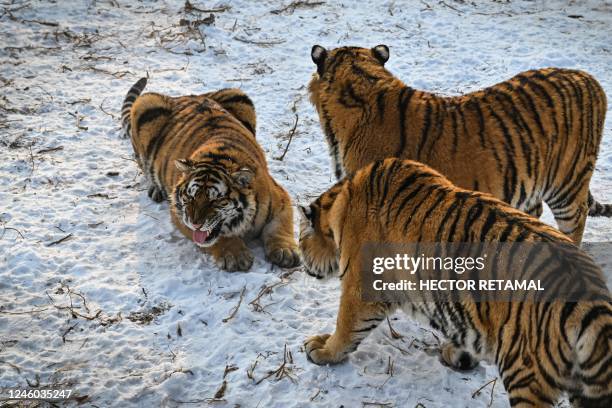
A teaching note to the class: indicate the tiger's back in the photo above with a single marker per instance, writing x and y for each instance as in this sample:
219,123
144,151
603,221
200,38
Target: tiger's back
165,129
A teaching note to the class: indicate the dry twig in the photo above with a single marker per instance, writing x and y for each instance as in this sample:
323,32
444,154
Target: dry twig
265,290
284,370
477,392
290,8
260,43
59,241
394,334
291,133
191,8
50,149
231,316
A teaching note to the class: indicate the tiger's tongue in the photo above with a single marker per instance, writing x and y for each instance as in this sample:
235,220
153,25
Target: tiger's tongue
200,236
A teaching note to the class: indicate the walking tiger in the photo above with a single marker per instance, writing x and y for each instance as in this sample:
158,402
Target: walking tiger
532,138
541,349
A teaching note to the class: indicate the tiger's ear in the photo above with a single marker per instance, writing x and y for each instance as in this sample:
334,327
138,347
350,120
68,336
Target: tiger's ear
381,53
318,55
243,177
184,165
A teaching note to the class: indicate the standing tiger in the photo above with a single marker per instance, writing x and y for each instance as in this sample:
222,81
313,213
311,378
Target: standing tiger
200,151
530,139
542,349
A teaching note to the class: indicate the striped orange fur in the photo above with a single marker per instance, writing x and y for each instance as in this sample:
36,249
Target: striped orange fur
200,152
531,139
542,349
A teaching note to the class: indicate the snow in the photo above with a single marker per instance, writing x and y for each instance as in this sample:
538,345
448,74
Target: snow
157,322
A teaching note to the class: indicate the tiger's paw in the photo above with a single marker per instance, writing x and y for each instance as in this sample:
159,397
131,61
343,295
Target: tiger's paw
233,259
456,358
287,257
317,352
156,194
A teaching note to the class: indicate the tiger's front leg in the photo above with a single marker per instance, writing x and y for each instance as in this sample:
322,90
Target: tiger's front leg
279,242
356,319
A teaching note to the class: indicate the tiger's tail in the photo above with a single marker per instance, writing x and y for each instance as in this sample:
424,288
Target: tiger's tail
597,209
126,109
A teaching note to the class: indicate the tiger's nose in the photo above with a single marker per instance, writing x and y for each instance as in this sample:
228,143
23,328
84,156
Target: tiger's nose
197,226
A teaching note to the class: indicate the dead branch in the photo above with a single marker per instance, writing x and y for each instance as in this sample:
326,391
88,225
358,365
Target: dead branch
394,334
5,228
78,119
442,2
229,369
41,22
101,195
401,350
291,133
59,241
284,370
265,290
191,8
290,8
259,43
251,370
477,392
31,159
103,320
101,106
116,74
24,312
316,395
68,330
221,391
30,48
183,22
376,404
231,316
50,149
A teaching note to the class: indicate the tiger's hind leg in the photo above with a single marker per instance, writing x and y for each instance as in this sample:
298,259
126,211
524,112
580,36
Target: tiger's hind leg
593,368
238,104
571,217
570,204
522,375
356,319
149,114
457,358
526,389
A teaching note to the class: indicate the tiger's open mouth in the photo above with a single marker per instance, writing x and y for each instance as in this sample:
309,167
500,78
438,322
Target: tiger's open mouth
206,238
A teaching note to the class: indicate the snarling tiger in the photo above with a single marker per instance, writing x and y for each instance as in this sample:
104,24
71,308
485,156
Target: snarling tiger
200,152
532,138
542,349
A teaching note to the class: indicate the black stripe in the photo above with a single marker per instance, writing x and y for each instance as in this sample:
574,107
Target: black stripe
150,115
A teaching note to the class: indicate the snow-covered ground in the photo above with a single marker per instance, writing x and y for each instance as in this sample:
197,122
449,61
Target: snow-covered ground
100,294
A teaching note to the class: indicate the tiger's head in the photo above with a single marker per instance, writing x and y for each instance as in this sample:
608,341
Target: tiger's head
352,66
317,243
213,201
